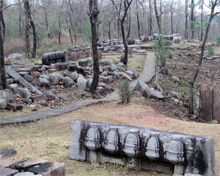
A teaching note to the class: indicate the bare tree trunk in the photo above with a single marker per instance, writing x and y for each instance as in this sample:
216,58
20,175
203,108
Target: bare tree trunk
129,25
2,21
47,24
33,29
126,4
192,19
150,19
70,33
125,60
109,30
138,22
27,32
202,22
186,19
93,9
20,20
3,82
192,81
74,31
171,17
59,34
157,16
118,28
160,15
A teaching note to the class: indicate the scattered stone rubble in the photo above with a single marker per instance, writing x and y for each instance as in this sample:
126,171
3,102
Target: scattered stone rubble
31,167
58,83
142,148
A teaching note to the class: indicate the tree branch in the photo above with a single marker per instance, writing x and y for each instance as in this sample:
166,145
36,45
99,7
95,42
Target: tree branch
10,6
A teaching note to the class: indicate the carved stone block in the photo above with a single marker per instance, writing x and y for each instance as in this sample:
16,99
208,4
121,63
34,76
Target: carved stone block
142,148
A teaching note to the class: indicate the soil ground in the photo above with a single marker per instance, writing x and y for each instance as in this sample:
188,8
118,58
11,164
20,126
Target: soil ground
50,138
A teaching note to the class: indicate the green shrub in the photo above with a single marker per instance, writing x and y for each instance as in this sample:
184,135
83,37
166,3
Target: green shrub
124,91
161,51
211,51
218,39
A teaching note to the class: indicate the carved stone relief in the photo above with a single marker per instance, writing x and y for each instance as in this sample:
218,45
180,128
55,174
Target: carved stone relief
142,148
153,148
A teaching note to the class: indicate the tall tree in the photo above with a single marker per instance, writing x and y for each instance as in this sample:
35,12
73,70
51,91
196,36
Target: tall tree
158,16
150,19
192,18
27,31
186,19
122,14
3,82
28,10
138,22
212,5
60,5
201,25
93,15
20,20
2,21
171,16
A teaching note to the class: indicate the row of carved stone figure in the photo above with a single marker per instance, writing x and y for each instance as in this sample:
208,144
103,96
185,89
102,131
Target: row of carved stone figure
173,149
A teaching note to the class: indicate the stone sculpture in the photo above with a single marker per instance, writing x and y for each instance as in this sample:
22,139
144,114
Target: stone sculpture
142,148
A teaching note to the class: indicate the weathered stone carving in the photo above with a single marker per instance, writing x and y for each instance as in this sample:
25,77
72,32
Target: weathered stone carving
174,151
153,146
142,148
92,139
112,140
132,144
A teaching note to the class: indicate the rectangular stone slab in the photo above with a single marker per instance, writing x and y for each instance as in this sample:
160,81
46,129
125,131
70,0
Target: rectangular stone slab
142,147
25,164
14,106
22,81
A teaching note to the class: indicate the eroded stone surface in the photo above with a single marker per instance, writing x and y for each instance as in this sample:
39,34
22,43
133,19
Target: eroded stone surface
27,163
49,169
7,171
142,148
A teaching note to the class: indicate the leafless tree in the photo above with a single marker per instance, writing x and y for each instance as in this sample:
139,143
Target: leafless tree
122,9
93,15
212,6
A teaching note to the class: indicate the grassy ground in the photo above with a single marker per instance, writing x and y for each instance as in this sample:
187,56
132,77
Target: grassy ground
136,62
50,139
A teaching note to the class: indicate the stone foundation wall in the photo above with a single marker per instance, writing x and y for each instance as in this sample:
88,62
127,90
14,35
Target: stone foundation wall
142,148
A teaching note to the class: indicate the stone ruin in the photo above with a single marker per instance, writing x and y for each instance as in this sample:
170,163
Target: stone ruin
53,57
31,167
79,52
142,148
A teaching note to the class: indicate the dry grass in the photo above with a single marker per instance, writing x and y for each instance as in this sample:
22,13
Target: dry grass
217,50
14,46
50,138
136,62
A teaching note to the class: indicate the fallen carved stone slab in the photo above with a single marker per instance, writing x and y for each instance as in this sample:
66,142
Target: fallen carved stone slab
142,148
19,78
